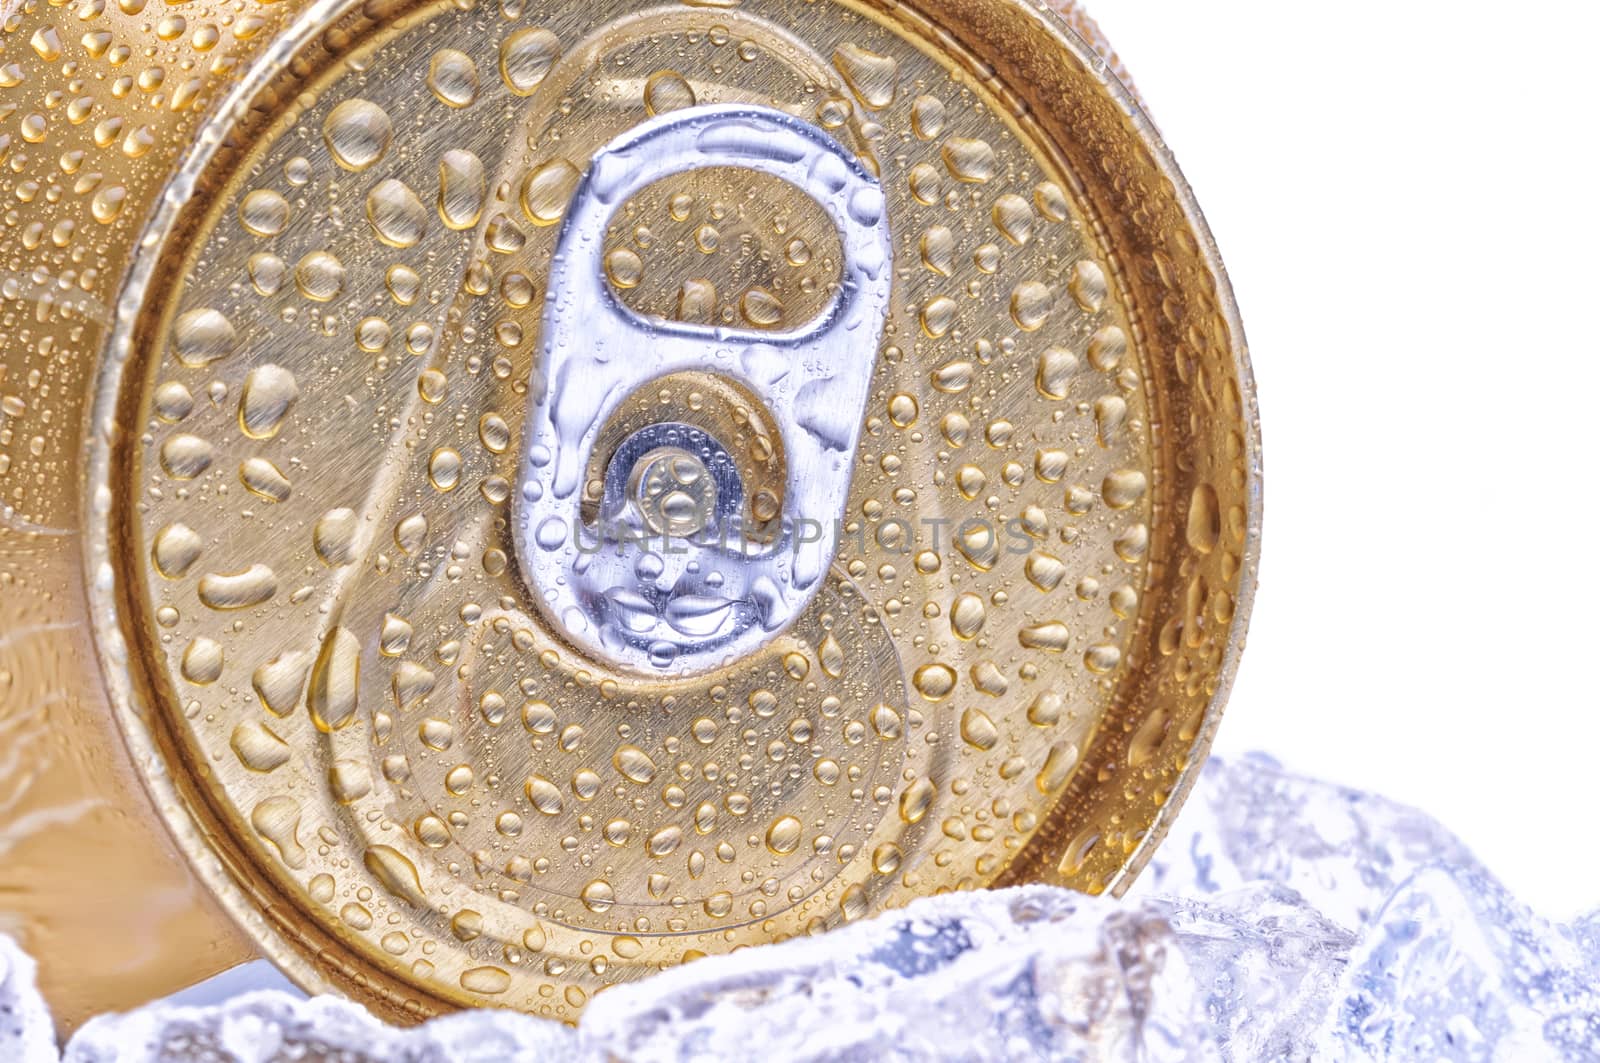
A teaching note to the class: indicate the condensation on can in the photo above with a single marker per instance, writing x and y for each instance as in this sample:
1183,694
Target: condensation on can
271,329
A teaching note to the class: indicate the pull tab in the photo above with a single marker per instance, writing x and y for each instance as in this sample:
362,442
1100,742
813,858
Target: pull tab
669,580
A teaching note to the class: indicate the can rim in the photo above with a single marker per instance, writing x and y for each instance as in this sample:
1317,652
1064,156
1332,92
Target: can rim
1112,76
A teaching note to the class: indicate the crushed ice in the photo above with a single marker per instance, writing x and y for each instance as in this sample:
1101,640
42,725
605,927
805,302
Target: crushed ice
1283,918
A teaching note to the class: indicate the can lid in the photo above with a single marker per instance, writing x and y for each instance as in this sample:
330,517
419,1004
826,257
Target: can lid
461,328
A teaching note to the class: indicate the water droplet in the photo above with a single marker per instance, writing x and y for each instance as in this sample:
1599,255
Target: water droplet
970,481
1088,285
172,402
761,308
903,410
269,392
373,334
335,681
544,795
939,250
548,189
968,160
1044,571
624,268
358,133
538,717
934,682
1205,518
107,204
988,679
410,533
460,780
264,479
395,638
46,41
666,90
277,819
1031,303
201,337
980,545
259,748
1102,658
1106,348
177,547
438,735
238,590
432,832
419,338
1051,201
953,378
664,842
872,78
887,722
264,212
1051,636
1110,411
926,183
334,537
796,665
453,78
395,213
1045,710
978,730
1123,488
1056,366
462,189
783,835
1057,768
1014,218
202,661
490,981
598,896
404,284
634,764
278,682
444,469
494,433
184,457
432,386
348,781
319,276
939,316
267,273
467,925
927,117
916,800
967,616
526,57
697,301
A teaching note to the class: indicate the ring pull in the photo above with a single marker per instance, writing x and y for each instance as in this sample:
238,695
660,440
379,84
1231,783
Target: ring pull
668,581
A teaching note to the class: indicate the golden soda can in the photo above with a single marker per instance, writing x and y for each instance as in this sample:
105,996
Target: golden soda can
500,497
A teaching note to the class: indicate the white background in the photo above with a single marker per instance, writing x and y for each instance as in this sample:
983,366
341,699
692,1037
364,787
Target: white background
1406,198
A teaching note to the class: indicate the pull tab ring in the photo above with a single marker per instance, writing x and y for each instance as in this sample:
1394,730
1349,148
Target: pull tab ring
673,583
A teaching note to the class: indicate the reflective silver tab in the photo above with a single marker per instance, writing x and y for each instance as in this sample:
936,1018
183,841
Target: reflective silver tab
669,580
